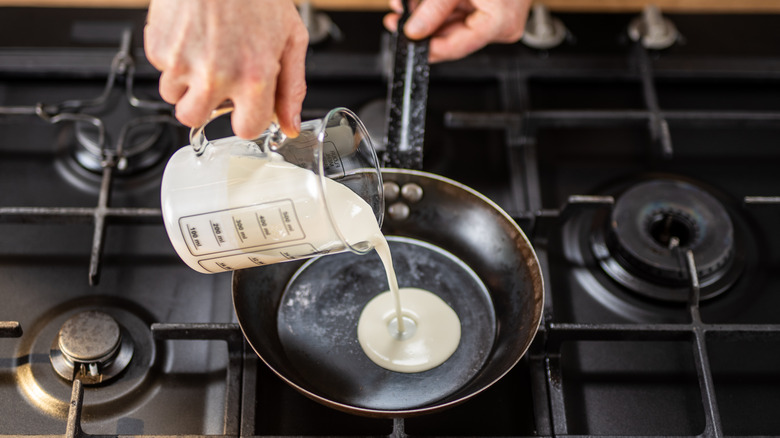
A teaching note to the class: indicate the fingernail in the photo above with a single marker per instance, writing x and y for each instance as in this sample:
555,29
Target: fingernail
297,123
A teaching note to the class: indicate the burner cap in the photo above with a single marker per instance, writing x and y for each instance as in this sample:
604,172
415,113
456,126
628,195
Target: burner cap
89,336
90,347
650,220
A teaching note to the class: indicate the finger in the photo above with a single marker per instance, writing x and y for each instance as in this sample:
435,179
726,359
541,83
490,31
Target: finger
150,47
396,6
390,21
196,104
172,87
428,17
291,84
459,39
253,109
448,49
513,23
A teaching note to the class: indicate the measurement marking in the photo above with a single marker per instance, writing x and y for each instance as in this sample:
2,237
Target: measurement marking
238,232
284,222
255,260
211,225
193,235
263,229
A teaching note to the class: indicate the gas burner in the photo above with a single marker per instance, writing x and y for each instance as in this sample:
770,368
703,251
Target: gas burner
117,128
106,343
91,347
144,144
139,166
640,243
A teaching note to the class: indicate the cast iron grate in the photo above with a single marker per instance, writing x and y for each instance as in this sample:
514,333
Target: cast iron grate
522,125
10,329
111,157
230,333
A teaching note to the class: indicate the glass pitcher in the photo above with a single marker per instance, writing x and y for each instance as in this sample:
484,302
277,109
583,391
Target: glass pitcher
233,203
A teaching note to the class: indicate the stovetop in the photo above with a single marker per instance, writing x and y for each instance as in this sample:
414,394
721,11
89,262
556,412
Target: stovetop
556,137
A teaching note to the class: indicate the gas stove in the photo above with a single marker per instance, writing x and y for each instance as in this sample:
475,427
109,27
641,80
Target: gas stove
645,177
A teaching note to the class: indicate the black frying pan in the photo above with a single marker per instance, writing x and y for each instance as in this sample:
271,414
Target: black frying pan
301,317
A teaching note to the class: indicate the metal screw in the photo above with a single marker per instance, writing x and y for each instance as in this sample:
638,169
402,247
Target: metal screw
391,191
412,192
398,211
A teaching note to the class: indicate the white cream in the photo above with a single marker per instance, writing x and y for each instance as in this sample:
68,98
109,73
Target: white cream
433,331
424,337
429,331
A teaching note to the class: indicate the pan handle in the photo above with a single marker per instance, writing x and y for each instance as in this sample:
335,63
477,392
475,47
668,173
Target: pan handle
407,100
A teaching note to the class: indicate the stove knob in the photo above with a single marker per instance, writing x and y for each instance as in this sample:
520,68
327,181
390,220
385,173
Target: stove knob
542,30
653,30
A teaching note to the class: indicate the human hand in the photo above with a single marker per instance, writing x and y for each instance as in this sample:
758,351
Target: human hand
460,27
247,51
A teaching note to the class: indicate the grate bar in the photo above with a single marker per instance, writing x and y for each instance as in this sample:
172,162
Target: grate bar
597,118
537,358
399,429
548,219
712,424
99,229
230,333
540,392
74,412
249,391
555,389
659,128
10,329
564,332
67,215
762,200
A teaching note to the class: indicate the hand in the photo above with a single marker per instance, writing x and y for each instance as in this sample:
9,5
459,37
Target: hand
460,27
251,52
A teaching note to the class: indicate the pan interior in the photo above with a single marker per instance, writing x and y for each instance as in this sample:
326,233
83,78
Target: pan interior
319,311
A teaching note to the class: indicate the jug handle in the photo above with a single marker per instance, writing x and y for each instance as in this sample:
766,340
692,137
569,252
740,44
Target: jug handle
273,135
198,138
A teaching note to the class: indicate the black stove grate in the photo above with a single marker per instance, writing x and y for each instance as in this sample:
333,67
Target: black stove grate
522,124
111,158
10,329
545,366
230,333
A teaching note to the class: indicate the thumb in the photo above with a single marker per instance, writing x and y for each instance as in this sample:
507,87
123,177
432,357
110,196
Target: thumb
428,17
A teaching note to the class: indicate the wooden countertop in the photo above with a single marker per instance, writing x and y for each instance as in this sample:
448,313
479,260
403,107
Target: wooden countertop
679,6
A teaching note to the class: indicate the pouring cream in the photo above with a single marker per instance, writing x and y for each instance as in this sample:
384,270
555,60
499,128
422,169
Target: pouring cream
428,332
406,330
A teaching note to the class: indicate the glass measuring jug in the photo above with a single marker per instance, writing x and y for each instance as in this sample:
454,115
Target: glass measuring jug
232,203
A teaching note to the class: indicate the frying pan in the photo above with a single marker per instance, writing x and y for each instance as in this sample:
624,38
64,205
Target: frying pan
301,317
